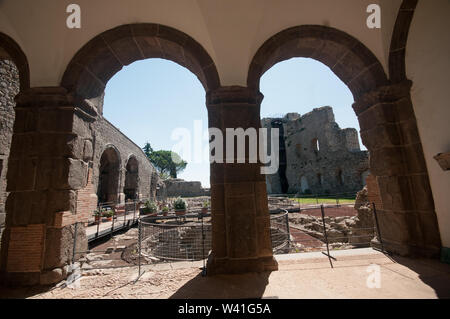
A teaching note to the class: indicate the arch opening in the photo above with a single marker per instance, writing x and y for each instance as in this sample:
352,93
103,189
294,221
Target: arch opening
106,54
109,173
348,58
131,188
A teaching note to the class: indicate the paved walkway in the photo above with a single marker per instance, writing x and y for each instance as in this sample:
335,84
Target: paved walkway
306,275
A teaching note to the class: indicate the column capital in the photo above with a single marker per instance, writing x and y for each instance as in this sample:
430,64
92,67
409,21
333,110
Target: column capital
383,94
234,95
56,96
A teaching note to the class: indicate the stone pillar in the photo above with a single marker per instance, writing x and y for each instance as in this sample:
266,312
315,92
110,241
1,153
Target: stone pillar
407,217
240,218
48,165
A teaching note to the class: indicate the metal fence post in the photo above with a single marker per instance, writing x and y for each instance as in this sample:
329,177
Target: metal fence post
74,242
134,211
99,208
325,235
139,245
288,230
203,247
378,227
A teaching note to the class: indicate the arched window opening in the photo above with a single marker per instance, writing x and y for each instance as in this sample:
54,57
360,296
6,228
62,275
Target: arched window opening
109,171
131,188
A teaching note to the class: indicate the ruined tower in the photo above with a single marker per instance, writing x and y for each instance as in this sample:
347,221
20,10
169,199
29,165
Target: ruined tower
316,155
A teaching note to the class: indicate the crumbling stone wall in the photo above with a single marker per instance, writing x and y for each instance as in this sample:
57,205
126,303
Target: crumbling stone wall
107,135
316,155
178,187
9,87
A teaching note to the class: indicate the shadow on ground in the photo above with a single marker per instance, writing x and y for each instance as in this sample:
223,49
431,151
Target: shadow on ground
243,286
22,292
431,272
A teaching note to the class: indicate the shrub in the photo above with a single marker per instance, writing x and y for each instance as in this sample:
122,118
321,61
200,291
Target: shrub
179,204
108,213
150,207
206,204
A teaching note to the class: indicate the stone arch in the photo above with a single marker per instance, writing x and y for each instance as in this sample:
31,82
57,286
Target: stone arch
347,57
397,49
131,187
9,49
109,175
388,126
106,54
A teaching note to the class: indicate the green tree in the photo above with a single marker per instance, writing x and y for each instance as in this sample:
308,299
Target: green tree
147,149
167,163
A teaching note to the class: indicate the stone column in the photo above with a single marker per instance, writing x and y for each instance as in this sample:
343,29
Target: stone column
240,217
407,217
48,165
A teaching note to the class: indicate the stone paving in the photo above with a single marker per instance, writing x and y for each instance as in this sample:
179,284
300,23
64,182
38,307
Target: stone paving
307,275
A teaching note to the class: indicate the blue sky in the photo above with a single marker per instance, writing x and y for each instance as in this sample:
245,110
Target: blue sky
148,99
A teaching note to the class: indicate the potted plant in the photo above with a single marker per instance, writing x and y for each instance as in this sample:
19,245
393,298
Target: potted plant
150,208
98,215
180,206
165,210
108,214
205,207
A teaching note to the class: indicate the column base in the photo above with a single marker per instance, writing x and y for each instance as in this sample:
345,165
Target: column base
222,266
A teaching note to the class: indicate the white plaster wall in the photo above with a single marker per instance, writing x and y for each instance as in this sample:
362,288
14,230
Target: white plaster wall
428,66
230,30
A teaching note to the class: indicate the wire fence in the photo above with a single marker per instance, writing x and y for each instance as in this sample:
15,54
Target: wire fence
188,237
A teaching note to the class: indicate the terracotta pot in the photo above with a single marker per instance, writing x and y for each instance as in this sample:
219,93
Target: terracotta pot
180,212
204,210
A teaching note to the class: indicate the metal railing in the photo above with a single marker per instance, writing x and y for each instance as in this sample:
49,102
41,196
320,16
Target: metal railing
159,239
280,232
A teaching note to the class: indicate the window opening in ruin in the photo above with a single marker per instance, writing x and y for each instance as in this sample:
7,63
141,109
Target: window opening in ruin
339,177
315,145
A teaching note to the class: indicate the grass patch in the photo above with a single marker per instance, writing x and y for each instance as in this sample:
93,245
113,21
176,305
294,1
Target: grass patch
323,200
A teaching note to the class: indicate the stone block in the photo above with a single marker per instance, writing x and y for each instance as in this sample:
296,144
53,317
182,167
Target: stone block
21,175
77,177
88,150
387,161
56,119
395,193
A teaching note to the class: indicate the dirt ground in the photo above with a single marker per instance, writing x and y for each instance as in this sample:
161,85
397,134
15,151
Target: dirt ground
309,275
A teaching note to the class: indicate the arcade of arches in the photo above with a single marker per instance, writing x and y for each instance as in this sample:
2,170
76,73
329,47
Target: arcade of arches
43,182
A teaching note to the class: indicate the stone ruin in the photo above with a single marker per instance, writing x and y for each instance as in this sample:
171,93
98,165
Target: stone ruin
316,155
178,187
354,227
